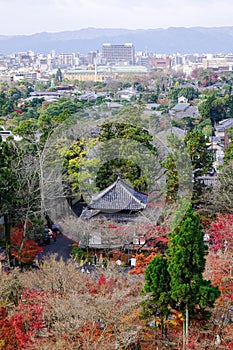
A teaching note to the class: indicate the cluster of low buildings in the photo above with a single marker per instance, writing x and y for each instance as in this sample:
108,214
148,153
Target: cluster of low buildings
114,60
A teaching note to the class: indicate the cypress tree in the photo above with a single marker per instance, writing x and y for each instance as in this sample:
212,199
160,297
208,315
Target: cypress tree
186,264
7,188
175,281
157,283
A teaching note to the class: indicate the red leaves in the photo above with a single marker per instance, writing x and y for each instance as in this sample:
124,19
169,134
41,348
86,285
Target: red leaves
102,280
221,232
102,286
222,288
22,327
113,226
29,249
8,340
162,239
18,111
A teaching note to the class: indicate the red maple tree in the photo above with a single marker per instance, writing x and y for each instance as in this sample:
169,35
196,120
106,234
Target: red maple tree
24,250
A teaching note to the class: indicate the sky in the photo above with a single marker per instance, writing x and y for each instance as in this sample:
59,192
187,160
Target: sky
35,16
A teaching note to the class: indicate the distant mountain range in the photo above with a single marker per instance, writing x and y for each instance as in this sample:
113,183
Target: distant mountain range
171,40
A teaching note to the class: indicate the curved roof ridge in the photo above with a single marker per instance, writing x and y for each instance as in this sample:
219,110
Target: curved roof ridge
119,193
129,192
103,192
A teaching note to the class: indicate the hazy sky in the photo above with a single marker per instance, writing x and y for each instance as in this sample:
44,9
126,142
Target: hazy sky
35,16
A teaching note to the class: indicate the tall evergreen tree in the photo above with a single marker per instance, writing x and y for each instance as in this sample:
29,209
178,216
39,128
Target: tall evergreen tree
157,283
8,184
186,264
175,281
198,148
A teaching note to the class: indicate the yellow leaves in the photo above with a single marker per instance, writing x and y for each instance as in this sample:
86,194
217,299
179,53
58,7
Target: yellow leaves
2,344
177,320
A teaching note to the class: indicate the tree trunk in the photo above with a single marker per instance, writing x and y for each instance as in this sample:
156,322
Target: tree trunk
187,325
184,338
185,328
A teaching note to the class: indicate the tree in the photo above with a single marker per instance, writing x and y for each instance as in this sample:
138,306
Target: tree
189,92
228,154
198,149
59,75
14,94
172,182
178,171
75,158
220,199
216,108
221,233
119,149
175,283
47,315
128,136
195,147
186,264
24,250
157,283
8,185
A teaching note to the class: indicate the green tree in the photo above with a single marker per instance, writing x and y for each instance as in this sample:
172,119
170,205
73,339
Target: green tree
186,264
175,281
8,185
198,148
117,153
195,146
128,136
59,75
75,158
228,154
216,108
157,284
178,169
189,92
26,128
172,181
14,94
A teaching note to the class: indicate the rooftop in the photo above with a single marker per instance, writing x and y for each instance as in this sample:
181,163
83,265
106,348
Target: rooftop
119,196
118,202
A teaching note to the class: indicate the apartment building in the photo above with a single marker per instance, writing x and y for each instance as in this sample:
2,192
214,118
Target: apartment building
118,53
66,60
218,63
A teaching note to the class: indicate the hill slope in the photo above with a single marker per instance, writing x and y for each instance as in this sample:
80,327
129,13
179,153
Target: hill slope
171,40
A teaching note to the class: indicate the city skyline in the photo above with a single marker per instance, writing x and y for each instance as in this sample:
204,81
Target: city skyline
67,15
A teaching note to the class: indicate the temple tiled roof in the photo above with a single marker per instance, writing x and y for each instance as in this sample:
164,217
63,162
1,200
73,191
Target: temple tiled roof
117,197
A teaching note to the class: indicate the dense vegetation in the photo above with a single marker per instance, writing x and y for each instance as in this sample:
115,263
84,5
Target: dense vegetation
182,278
